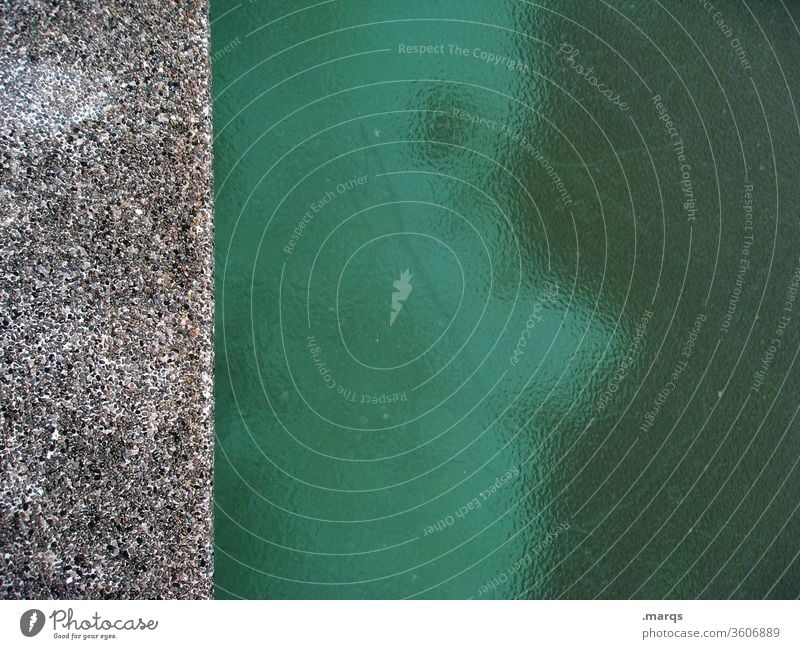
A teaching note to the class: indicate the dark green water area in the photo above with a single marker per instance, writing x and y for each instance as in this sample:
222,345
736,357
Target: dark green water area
507,299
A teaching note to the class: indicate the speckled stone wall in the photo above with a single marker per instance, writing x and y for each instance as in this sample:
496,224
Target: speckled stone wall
106,300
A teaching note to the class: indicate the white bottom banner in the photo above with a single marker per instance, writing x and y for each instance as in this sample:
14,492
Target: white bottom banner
378,624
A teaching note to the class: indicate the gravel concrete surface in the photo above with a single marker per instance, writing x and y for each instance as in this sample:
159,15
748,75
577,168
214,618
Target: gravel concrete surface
106,300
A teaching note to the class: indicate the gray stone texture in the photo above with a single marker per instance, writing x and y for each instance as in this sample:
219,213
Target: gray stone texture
106,300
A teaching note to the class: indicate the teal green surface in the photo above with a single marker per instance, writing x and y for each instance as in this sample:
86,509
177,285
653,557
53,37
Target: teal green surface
586,385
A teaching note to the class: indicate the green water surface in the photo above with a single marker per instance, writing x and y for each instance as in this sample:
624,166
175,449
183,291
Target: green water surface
585,384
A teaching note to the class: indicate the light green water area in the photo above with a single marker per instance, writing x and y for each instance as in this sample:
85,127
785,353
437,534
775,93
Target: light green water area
506,299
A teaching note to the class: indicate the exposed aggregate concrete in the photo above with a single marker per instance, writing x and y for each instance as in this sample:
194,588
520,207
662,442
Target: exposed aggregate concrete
106,300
